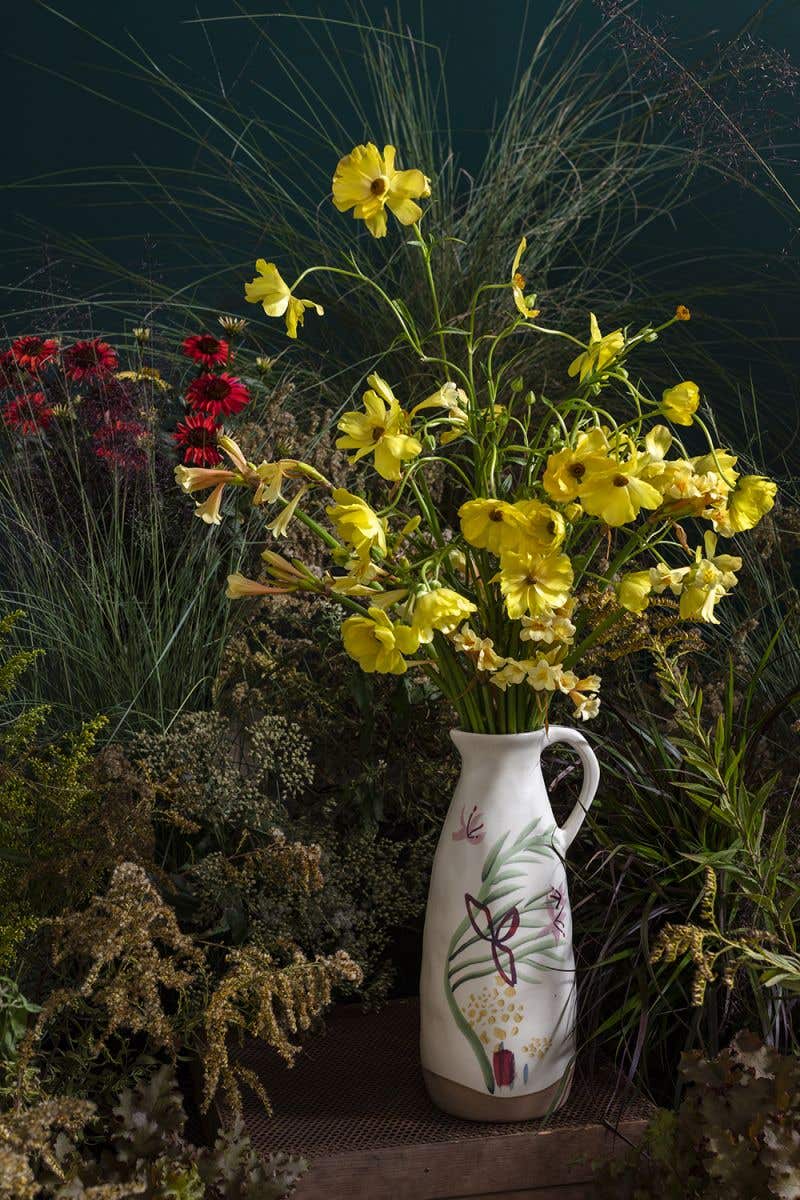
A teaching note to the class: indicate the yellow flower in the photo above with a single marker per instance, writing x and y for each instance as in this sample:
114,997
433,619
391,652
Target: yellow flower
550,627
493,525
357,523
567,469
679,403
707,580
524,303
239,588
441,609
617,492
270,476
367,182
378,645
534,583
379,430
197,479
541,527
599,353
749,501
480,650
275,297
280,524
718,462
633,591
454,399
512,673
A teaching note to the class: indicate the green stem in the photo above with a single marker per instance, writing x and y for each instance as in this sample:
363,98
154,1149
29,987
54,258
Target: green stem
459,1018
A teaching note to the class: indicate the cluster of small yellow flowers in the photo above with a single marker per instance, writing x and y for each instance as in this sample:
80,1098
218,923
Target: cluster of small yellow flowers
700,586
547,674
269,1002
480,650
494,1012
674,941
537,1047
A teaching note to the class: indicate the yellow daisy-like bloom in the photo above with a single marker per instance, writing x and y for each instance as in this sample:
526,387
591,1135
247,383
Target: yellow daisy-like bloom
680,403
567,469
377,644
707,580
357,523
368,182
441,609
541,527
600,352
490,524
617,492
534,583
379,430
275,296
524,303
750,500
718,462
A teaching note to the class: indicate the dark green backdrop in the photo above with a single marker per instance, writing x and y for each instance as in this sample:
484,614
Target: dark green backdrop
51,125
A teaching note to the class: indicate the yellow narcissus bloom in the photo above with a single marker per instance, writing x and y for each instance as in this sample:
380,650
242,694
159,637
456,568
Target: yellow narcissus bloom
679,403
707,581
275,297
368,182
567,469
600,352
241,588
524,303
534,583
441,609
617,492
356,523
490,524
541,527
379,430
377,644
480,649
750,500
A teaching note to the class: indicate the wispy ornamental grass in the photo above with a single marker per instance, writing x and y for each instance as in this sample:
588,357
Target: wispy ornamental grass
579,160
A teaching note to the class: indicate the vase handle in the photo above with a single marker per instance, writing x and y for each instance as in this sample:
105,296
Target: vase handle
565,834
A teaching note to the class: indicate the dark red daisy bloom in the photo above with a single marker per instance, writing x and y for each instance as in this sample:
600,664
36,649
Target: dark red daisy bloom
120,443
198,435
206,349
29,413
220,395
85,359
33,352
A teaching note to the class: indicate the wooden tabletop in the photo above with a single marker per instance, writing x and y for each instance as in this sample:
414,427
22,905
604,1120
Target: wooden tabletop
354,1104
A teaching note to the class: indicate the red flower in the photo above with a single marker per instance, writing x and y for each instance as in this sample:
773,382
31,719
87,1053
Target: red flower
220,395
34,352
503,1064
198,434
85,359
28,413
206,349
120,443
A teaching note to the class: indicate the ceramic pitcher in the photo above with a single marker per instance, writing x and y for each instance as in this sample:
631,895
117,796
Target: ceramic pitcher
497,990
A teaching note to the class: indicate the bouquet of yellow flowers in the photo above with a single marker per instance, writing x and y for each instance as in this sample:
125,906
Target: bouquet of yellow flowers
542,498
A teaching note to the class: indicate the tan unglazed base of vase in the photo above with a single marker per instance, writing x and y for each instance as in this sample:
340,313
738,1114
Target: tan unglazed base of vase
470,1105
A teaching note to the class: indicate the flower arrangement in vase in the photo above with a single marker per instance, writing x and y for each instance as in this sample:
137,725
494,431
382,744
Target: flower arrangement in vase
489,510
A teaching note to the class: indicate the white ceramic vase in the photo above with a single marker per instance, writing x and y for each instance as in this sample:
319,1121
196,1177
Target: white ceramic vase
497,990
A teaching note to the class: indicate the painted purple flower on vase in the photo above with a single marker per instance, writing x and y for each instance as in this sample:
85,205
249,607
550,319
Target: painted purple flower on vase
555,913
471,829
496,932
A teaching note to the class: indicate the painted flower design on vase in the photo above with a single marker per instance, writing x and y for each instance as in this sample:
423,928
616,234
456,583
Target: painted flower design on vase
471,828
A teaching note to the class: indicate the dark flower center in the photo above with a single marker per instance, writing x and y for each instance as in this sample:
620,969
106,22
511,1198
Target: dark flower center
620,481
496,514
377,433
378,186
217,389
207,344
578,470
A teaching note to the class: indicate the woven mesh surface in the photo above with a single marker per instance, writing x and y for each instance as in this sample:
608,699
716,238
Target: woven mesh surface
359,1087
